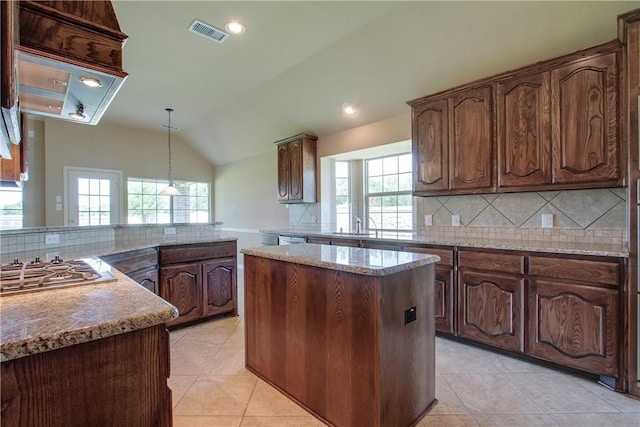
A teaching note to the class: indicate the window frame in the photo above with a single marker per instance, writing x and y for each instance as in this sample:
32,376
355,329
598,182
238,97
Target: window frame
171,209
366,195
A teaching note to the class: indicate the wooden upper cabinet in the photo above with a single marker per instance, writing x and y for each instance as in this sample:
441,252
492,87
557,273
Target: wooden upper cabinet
431,146
453,143
472,139
549,126
524,130
585,121
297,169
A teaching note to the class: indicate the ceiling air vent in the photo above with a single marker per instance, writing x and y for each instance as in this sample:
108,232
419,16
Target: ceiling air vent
208,31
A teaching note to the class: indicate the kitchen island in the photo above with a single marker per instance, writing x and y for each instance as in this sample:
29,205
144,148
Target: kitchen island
348,333
94,354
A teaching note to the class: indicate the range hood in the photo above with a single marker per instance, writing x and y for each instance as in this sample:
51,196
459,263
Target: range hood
55,89
62,44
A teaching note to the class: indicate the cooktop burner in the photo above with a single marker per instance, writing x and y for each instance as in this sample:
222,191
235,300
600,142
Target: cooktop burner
19,277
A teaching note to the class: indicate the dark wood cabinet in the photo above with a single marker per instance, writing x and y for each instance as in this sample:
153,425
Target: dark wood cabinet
549,126
181,285
491,301
585,121
574,313
9,113
471,137
200,280
431,146
120,380
297,169
444,286
453,143
524,130
140,265
219,286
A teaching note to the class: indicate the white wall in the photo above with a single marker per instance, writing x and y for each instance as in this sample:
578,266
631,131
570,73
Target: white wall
245,194
136,153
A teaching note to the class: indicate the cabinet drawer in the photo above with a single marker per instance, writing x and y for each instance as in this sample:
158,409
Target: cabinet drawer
127,262
504,263
175,255
446,255
574,269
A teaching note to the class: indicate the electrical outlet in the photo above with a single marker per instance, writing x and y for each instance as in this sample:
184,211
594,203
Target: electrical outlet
169,231
428,220
51,239
455,220
547,220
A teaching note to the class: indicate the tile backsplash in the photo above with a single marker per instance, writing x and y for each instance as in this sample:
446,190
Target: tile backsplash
577,214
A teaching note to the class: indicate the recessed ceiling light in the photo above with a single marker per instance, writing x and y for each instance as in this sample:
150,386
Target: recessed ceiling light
349,108
234,27
91,82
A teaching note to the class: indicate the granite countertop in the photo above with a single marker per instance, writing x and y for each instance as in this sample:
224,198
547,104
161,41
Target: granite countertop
597,249
369,262
117,246
54,318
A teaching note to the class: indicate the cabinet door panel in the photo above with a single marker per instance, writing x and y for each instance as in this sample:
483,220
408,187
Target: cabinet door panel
491,309
472,139
219,286
524,131
181,285
444,299
283,172
574,325
295,170
585,123
147,278
431,147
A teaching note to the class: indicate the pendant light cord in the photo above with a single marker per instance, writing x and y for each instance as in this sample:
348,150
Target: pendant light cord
169,110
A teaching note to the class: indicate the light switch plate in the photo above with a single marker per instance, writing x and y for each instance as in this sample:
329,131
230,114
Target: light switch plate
455,220
547,220
428,220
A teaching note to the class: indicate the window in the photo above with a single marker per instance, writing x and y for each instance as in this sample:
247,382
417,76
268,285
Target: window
145,206
388,187
343,198
92,196
10,208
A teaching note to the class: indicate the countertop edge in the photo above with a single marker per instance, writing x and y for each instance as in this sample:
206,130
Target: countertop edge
356,269
512,245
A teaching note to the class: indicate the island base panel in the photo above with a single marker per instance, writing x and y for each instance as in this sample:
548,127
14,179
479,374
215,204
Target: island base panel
337,343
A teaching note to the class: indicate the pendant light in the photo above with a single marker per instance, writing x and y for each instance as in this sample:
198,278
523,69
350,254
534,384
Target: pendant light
169,190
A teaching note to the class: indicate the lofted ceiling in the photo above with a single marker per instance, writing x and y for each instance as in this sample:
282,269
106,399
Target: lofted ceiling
300,60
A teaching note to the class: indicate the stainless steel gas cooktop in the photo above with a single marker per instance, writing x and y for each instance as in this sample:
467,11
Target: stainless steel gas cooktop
20,277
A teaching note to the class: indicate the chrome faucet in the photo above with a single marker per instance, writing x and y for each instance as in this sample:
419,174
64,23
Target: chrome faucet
375,225
358,224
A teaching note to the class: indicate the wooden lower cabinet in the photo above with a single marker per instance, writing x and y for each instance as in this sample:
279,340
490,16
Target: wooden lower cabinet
574,325
491,309
181,285
444,286
115,381
200,280
147,278
219,292
140,265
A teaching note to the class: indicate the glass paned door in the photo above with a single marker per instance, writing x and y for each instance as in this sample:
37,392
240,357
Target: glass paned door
93,197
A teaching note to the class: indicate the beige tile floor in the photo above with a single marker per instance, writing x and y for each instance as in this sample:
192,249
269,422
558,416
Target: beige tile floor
474,387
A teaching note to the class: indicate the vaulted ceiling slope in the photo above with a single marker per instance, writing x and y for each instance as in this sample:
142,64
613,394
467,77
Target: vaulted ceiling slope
300,60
